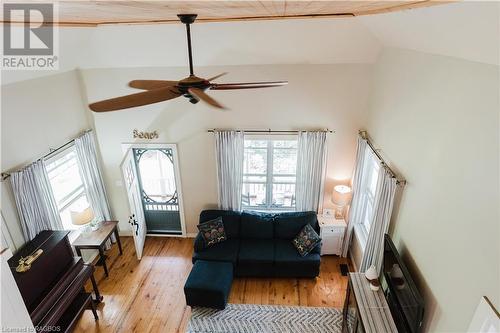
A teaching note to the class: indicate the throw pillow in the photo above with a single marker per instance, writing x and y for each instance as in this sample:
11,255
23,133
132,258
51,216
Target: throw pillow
306,240
212,231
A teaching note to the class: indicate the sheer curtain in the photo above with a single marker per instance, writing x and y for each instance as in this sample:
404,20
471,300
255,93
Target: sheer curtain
91,175
311,166
356,210
35,201
229,157
382,211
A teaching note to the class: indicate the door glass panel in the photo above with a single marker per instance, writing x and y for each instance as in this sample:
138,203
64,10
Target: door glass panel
159,190
157,175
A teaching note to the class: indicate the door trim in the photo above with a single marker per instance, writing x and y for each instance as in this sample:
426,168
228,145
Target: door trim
126,146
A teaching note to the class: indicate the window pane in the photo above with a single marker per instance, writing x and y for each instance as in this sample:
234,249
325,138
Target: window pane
254,179
67,185
368,215
255,161
283,195
284,161
285,144
276,189
372,185
255,143
254,194
284,179
64,176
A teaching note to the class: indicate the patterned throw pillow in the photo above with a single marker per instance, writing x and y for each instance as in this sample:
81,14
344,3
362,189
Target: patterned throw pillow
306,240
213,231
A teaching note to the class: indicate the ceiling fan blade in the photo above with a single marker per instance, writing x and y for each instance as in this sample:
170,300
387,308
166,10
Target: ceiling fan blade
130,101
247,85
217,76
151,84
200,95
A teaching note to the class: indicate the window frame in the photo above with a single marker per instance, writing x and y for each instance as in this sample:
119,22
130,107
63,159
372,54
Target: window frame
270,175
76,193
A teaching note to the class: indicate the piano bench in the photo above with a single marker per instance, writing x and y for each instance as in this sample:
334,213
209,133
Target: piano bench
209,284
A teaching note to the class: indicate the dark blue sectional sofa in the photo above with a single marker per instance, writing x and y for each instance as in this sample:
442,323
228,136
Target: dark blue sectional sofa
260,244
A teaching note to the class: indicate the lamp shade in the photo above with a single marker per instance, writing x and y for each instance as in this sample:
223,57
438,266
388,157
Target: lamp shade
341,195
83,217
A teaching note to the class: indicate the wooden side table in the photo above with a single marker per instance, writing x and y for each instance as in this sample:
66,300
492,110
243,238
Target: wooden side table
96,240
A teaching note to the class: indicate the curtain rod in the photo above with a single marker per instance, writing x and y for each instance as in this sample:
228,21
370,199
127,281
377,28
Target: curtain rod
268,130
364,135
6,175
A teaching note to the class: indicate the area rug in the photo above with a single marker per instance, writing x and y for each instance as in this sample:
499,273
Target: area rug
250,318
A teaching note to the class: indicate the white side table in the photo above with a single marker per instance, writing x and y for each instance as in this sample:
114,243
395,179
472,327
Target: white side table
332,234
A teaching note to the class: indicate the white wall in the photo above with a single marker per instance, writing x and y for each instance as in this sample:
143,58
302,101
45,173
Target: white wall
318,96
36,115
437,119
467,30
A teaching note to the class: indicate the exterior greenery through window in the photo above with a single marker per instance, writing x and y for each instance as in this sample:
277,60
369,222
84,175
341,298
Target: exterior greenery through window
269,173
65,179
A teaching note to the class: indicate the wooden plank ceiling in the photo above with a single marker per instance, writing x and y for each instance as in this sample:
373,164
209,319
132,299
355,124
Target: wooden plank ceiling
93,13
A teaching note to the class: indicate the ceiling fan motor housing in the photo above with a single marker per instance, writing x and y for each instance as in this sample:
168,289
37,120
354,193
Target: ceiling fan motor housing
187,18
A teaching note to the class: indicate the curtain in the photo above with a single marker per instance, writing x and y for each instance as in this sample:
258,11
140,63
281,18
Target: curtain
35,201
382,211
355,210
229,160
311,166
92,177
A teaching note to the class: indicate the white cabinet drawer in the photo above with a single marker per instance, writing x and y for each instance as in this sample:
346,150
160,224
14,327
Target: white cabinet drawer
332,230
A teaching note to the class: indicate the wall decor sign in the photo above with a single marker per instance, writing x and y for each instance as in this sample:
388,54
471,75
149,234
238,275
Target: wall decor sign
145,135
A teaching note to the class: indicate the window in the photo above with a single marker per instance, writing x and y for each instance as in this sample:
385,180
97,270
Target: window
368,187
269,173
66,181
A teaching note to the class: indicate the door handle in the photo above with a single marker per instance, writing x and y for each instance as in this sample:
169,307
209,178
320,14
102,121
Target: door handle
136,227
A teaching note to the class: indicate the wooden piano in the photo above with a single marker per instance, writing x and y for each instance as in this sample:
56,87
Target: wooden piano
53,288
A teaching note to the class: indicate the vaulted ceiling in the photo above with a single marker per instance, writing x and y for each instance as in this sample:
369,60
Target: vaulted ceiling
92,13
465,30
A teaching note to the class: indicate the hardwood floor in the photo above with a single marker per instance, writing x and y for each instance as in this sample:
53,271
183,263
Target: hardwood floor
147,295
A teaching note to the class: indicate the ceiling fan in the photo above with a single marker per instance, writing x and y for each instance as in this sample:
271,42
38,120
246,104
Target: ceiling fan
192,87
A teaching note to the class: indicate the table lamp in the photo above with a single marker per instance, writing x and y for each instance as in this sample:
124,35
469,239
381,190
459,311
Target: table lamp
340,198
83,217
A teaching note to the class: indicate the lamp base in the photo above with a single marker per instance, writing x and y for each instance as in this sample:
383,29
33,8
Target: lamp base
339,213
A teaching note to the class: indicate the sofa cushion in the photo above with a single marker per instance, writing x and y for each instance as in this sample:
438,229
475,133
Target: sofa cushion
306,240
212,231
231,220
256,257
288,225
255,225
226,251
288,262
256,250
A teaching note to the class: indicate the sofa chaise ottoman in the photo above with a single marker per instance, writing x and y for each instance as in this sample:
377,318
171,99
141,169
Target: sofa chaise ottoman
208,284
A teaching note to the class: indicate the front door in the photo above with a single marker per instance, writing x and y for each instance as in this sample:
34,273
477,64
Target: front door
136,217
156,168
